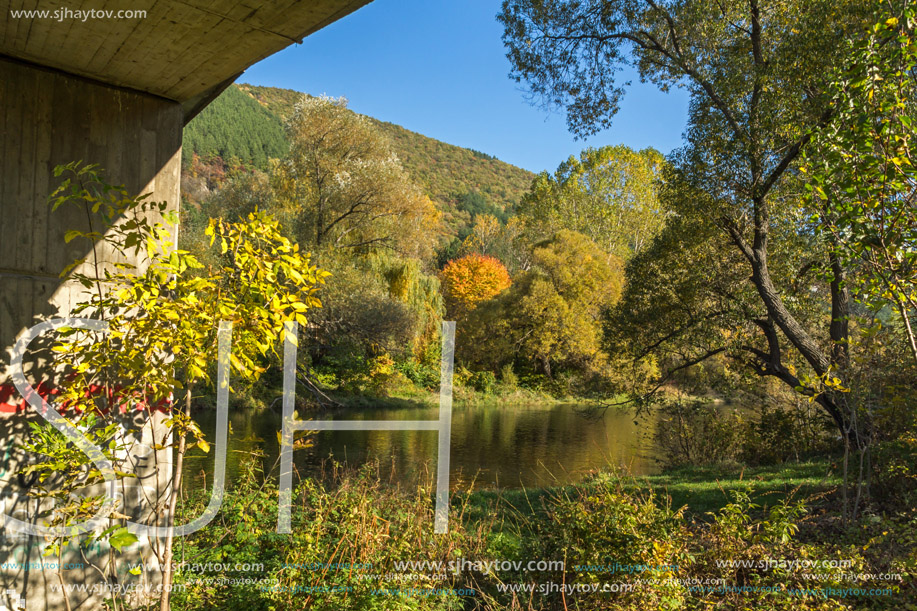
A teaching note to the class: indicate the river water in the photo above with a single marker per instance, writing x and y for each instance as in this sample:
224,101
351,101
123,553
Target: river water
492,446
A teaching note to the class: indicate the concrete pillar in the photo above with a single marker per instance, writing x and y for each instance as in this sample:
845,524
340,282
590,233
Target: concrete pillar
49,118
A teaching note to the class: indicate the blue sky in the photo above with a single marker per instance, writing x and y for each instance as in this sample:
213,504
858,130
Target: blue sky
439,68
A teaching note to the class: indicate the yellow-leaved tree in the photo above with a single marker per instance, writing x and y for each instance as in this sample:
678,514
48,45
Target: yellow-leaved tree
470,280
162,316
346,186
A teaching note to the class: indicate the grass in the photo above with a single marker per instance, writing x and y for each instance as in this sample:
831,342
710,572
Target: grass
702,489
462,396
511,519
706,489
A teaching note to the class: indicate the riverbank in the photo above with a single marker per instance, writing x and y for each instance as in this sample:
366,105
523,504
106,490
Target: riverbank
404,396
700,489
464,396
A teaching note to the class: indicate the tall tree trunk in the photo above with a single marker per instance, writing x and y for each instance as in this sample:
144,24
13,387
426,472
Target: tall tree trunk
167,570
787,323
833,403
546,365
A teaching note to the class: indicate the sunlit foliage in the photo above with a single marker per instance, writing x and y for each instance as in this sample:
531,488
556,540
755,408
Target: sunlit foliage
470,280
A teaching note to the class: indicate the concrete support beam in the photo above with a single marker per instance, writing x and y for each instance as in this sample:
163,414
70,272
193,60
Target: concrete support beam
49,118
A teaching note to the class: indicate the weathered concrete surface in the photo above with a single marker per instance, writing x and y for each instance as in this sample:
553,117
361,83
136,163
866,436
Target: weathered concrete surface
49,118
46,119
181,49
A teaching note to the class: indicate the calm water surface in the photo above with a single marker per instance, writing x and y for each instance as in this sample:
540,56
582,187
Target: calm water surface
492,446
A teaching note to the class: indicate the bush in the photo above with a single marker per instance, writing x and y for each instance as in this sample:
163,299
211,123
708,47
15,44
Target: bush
696,433
421,374
534,381
600,525
776,435
895,472
699,433
610,535
508,377
461,376
483,382
346,536
385,379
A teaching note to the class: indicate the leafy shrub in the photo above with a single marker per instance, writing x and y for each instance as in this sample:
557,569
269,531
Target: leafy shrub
695,432
384,378
346,536
776,435
461,376
738,549
599,524
483,381
534,381
608,534
895,471
508,377
421,374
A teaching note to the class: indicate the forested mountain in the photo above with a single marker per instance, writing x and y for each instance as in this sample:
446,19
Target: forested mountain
235,126
245,123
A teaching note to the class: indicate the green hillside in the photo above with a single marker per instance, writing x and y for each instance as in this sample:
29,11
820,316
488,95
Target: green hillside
235,126
248,127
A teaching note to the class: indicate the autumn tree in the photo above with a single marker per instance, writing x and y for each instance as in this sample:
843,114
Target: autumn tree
553,313
758,74
470,280
508,242
486,235
376,304
862,172
608,194
346,186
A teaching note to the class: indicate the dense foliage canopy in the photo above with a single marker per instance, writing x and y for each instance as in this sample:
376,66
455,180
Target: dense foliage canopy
758,77
608,194
471,280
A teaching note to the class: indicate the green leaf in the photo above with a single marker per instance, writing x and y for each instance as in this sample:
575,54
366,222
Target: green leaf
122,538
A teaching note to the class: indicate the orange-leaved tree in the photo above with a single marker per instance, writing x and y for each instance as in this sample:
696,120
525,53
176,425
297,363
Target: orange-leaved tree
470,280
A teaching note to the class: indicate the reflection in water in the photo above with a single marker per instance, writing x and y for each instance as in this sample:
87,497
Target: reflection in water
493,446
